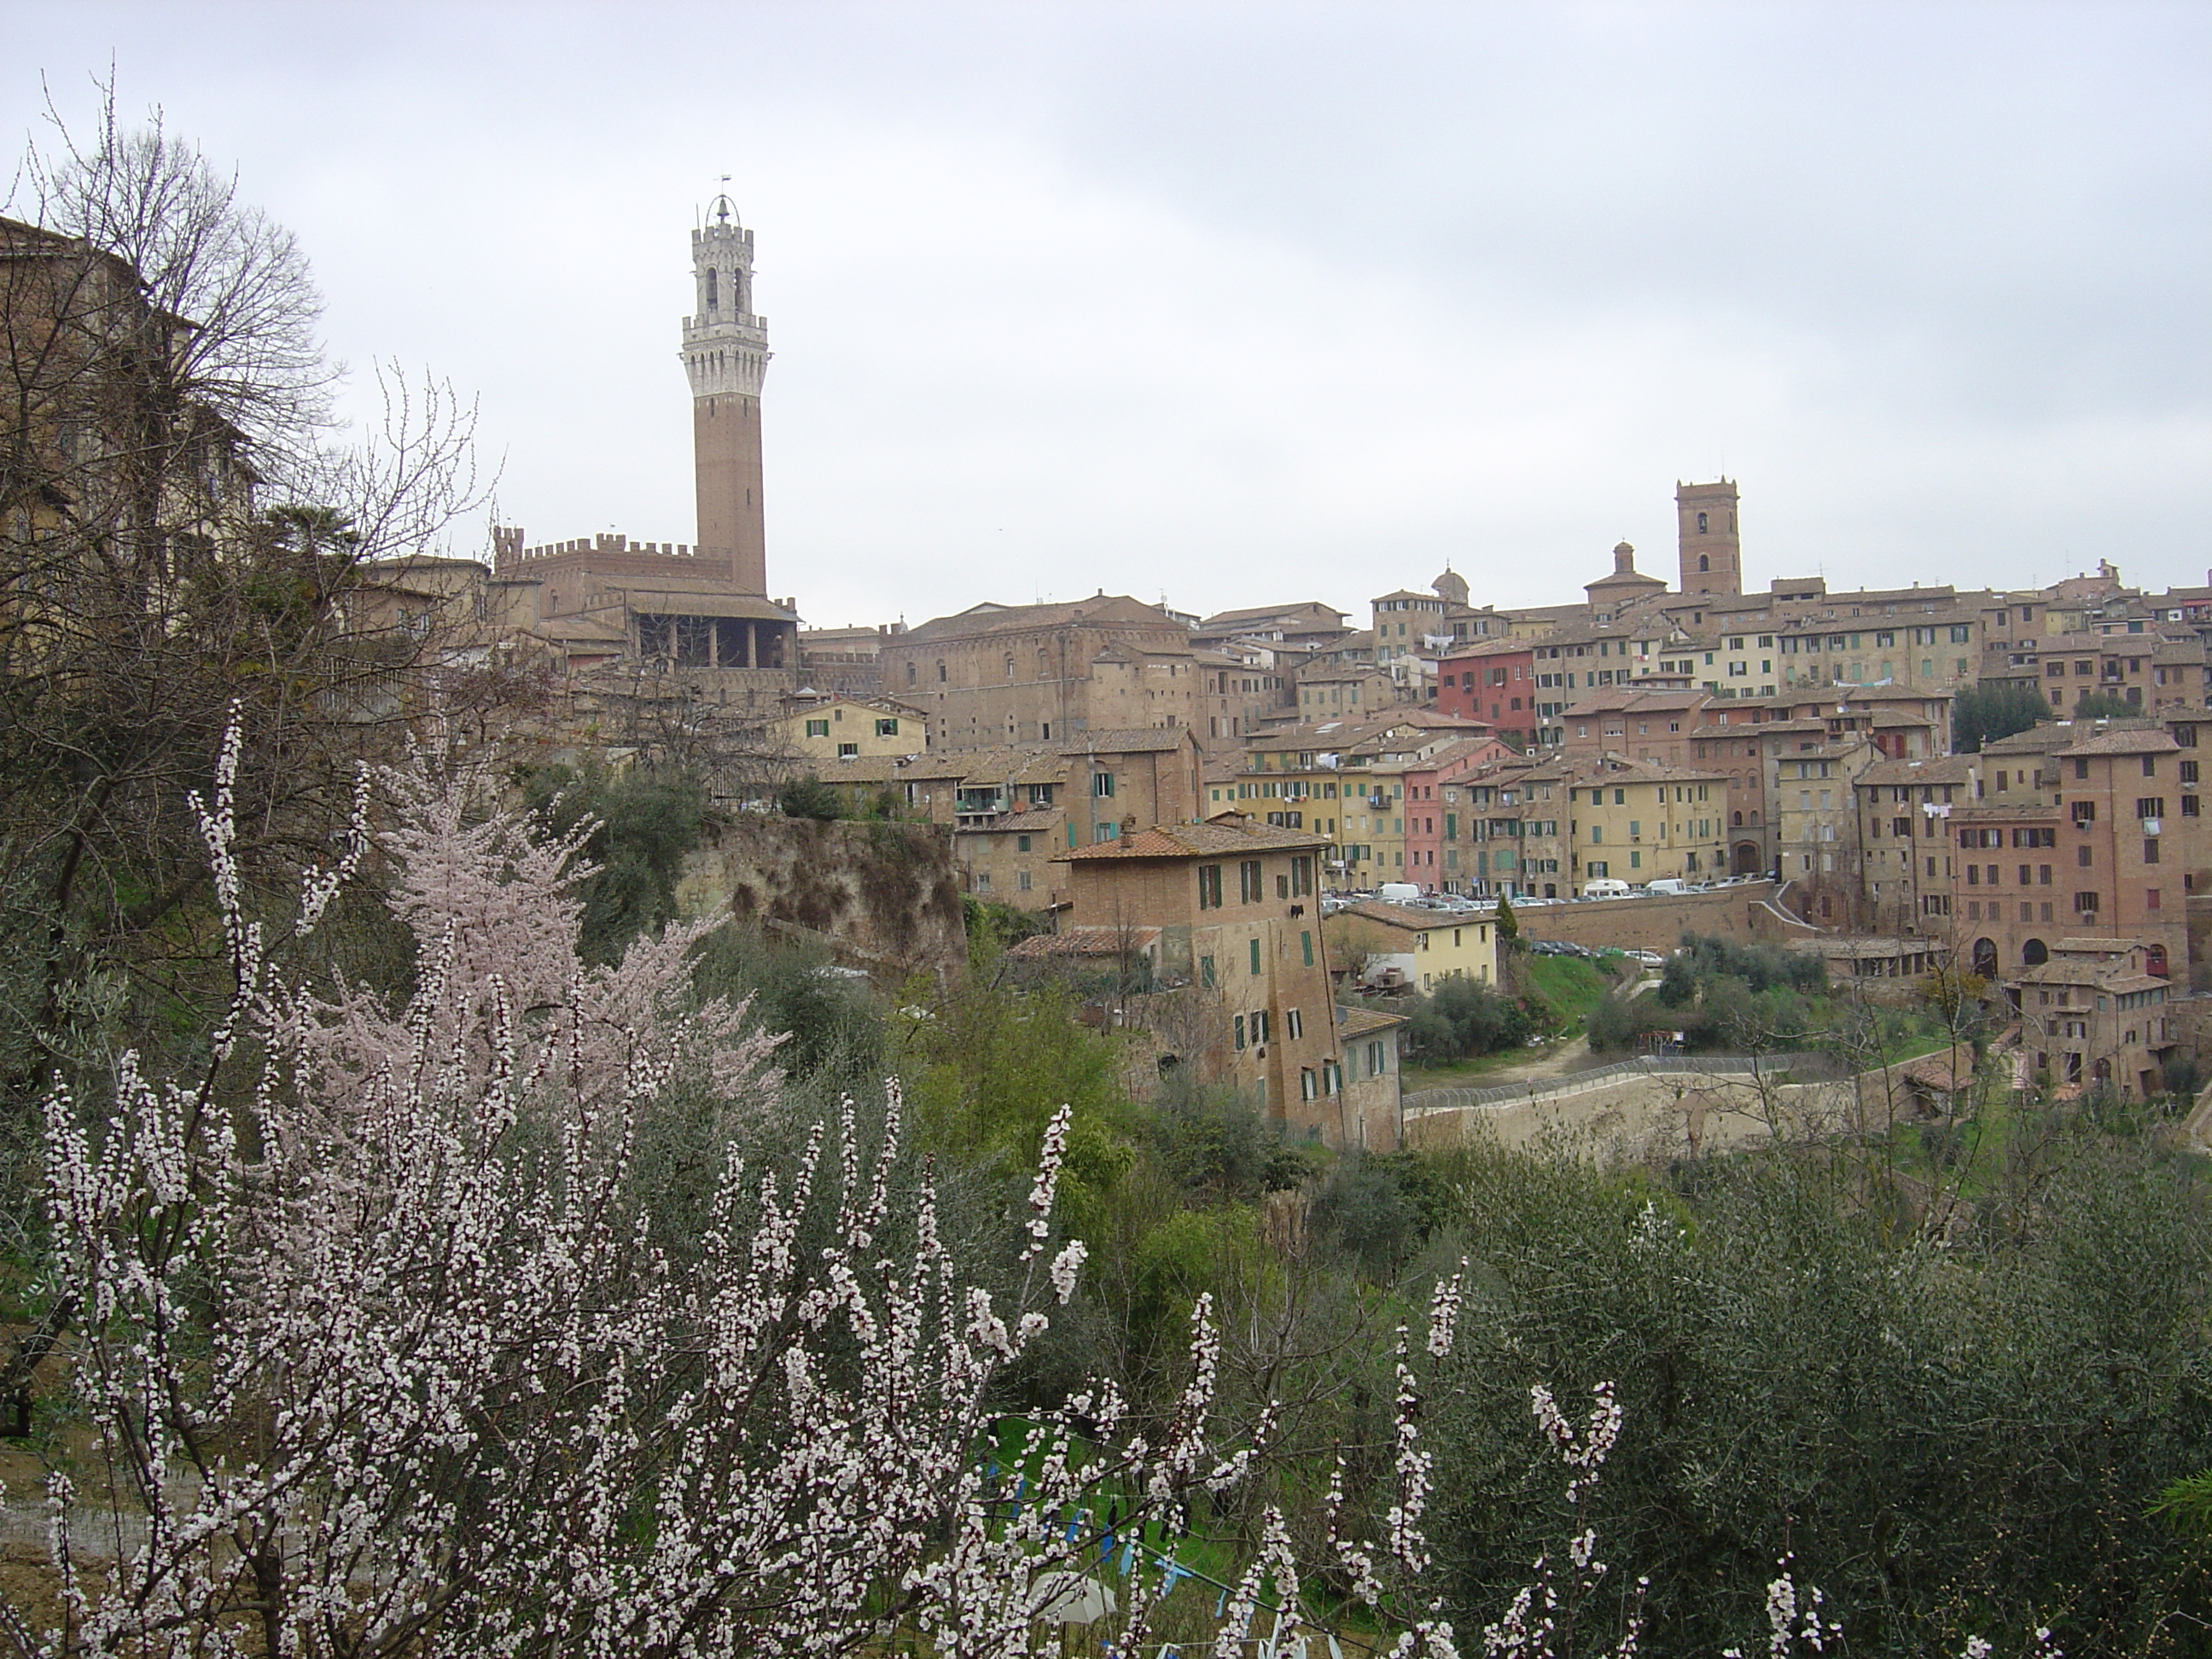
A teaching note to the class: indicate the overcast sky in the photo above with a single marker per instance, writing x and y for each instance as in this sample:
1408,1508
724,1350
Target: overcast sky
1238,304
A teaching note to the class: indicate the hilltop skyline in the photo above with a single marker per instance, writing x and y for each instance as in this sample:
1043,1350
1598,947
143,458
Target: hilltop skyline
1236,305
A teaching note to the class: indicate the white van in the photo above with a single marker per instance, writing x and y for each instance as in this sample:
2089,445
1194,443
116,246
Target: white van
1666,886
1398,892
1604,888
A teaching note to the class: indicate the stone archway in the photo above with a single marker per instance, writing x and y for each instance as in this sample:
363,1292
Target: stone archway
1743,858
1985,957
2035,953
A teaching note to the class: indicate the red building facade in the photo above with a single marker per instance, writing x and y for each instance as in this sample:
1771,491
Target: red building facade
1495,684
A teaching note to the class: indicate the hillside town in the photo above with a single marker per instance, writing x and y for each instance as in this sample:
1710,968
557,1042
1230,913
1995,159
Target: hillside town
1791,743
557,1102
1602,766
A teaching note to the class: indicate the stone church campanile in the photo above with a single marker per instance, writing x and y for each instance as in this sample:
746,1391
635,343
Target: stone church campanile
726,355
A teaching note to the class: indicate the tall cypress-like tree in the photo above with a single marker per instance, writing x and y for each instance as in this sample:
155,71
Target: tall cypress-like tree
1982,713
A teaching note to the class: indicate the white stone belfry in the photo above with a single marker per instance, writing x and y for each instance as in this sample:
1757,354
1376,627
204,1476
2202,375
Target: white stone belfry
726,355
725,343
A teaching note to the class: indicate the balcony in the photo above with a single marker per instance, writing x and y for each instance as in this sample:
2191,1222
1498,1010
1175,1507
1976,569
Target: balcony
974,806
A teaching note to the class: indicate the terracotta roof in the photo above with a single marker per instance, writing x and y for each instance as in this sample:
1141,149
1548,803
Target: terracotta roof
2037,741
582,627
2111,976
1620,699
699,602
1225,836
1304,608
2152,740
1084,942
1935,768
1463,749
1545,612
1807,724
1126,740
1423,921
1355,1023
1103,609
1948,1072
1621,771
1026,824
1489,648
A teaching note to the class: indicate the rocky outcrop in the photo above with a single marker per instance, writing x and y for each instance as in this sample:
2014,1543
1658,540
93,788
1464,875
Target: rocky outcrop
884,897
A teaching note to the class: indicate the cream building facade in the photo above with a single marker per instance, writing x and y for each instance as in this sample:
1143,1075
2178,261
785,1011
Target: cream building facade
1388,946
828,730
1637,823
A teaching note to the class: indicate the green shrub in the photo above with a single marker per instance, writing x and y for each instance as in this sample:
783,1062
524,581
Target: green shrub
646,822
809,798
1460,1018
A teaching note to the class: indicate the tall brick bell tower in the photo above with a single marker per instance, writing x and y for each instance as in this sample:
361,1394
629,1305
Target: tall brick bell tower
726,355
1712,551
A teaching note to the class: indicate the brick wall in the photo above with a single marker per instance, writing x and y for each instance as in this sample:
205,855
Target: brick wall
1658,924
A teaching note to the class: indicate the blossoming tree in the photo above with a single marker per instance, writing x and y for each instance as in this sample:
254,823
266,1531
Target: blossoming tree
382,1350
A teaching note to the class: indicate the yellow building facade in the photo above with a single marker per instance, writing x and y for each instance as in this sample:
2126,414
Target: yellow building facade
852,728
1639,823
1388,943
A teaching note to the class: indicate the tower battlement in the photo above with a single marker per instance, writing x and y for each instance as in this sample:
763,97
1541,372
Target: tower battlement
508,553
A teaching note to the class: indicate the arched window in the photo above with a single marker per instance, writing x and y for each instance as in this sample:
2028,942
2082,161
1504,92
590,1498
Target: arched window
1703,563
940,670
1985,957
913,672
711,300
2035,953
1701,524
1010,665
2154,961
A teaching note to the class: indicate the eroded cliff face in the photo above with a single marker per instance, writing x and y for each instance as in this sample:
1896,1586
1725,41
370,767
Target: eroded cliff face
882,897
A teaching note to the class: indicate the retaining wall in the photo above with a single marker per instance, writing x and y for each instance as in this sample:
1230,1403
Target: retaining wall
1662,1114
1658,924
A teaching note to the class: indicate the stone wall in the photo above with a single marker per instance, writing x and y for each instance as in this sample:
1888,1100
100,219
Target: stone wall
1658,924
1667,1114
881,897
